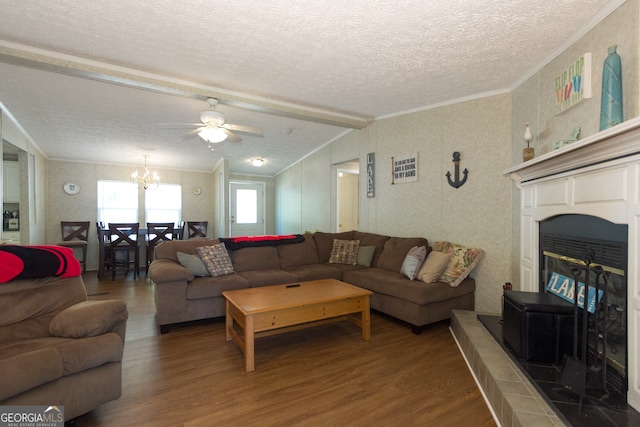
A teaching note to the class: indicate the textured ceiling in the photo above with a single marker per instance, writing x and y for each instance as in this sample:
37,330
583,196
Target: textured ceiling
363,59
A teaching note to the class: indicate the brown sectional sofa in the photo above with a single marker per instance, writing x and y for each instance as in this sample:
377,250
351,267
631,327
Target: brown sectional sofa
180,296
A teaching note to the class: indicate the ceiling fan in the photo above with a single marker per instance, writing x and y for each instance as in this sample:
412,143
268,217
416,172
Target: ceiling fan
214,128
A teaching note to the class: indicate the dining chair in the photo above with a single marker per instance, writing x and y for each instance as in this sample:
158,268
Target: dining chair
179,231
157,232
197,229
123,239
75,234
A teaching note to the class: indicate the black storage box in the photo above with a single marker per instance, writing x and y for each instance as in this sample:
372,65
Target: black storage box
537,326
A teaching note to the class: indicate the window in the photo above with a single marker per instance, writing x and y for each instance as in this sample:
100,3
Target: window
163,204
117,201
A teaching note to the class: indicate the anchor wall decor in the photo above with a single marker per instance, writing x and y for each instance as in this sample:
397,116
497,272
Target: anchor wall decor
457,183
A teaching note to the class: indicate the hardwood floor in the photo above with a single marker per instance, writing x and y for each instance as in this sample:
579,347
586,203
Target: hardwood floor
320,376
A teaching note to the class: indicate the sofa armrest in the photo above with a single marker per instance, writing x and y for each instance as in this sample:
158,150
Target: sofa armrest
89,319
166,270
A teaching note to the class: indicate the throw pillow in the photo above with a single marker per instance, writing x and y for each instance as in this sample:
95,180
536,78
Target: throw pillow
193,263
433,266
216,258
463,261
413,261
365,255
344,252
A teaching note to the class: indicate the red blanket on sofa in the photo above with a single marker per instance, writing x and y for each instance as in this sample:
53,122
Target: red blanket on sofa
33,262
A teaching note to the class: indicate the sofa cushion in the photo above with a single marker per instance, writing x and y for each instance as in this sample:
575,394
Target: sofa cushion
258,258
433,266
344,252
194,264
27,368
396,249
216,258
383,281
169,249
365,255
413,261
315,272
297,254
324,243
463,261
210,287
88,319
258,278
371,239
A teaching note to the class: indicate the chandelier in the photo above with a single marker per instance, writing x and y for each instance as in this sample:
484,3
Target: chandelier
147,179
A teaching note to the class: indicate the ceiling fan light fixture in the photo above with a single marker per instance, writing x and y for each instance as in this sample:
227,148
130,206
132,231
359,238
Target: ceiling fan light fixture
212,134
257,162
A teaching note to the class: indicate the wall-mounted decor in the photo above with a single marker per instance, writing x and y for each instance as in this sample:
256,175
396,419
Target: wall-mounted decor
404,169
611,104
371,169
457,183
574,84
71,188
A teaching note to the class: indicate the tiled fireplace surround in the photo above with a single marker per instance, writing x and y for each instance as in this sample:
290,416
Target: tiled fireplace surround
597,176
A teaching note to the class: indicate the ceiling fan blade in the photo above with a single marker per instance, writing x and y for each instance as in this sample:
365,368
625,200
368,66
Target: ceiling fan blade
230,135
179,125
244,129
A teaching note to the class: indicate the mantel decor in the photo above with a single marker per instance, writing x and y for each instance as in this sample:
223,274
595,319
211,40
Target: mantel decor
574,84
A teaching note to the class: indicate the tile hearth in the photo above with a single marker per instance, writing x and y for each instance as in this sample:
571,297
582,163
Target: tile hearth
513,398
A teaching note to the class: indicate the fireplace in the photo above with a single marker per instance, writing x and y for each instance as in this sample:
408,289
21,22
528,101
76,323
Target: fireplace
596,180
569,246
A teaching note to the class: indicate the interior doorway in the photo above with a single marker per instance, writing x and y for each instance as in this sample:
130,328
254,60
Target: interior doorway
347,195
246,209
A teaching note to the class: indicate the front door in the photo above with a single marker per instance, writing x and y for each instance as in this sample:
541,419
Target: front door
246,216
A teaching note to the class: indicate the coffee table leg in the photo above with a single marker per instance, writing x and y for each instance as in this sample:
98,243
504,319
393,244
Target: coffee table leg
366,321
249,360
228,324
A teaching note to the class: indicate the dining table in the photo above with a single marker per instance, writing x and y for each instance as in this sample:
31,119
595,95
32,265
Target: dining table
104,241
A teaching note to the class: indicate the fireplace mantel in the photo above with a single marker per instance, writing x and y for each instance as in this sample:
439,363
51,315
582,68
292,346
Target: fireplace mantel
598,176
618,141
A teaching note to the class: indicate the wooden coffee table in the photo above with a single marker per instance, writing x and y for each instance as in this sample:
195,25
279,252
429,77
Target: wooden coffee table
275,309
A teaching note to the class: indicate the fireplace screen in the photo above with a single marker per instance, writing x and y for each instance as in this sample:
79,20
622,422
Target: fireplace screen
593,252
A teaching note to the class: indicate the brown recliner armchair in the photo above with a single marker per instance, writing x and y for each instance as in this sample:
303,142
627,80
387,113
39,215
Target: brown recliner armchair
58,348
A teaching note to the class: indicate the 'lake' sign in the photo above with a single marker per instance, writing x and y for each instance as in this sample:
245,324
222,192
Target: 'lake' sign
564,287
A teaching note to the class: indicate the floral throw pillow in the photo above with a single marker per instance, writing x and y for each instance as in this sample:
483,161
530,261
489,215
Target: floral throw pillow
344,252
216,258
463,261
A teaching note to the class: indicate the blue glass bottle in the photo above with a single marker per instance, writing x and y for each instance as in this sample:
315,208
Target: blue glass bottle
611,104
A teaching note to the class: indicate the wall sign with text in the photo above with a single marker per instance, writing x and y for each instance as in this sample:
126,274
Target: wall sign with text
405,168
574,84
371,174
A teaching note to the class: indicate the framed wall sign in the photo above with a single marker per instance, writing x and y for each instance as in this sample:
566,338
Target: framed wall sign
404,168
574,84
371,180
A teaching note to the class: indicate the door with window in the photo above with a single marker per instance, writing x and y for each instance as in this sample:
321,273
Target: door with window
246,216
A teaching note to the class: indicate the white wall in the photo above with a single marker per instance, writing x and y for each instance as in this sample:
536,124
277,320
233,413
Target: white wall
84,206
477,214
